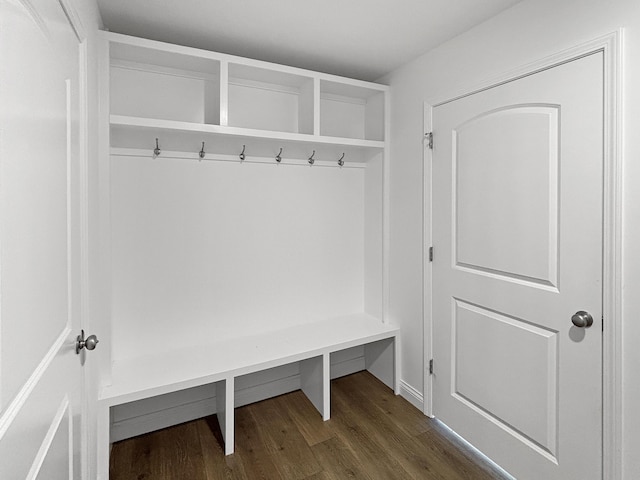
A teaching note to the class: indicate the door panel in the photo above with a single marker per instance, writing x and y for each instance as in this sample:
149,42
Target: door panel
506,167
517,224
57,463
40,373
516,350
34,194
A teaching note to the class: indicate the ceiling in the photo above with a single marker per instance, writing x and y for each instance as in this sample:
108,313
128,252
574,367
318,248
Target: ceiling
362,39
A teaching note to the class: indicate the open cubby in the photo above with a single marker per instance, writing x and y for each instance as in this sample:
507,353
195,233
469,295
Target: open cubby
351,111
157,84
270,100
190,96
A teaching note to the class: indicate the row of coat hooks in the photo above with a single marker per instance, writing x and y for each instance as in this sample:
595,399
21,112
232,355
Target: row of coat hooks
242,155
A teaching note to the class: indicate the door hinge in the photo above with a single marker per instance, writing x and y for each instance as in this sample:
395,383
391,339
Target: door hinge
429,138
431,254
431,367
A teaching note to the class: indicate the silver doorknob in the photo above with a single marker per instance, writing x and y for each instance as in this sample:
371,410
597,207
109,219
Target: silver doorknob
582,319
89,343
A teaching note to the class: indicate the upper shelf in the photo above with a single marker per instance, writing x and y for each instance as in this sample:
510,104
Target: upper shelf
140,133
159,87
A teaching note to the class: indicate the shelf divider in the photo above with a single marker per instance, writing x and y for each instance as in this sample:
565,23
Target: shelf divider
224,93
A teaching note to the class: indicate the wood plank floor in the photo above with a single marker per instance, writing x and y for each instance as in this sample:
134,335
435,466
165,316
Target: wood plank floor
372,435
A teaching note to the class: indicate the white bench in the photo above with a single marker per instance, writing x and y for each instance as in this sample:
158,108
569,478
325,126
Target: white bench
222,362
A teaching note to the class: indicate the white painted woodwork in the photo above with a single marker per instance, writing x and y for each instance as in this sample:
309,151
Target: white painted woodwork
479,72
102,272
307,107
351,114
224,411
262,108
512,374
163,93
350,111
103,447
525,352
503,48
270,100
56,461
374,228
153,413
232,270
41,378
486,224
312,382
381,358
327,373
374,117
210,360
310,345
224,93
161,90
140,133
152,83
304,243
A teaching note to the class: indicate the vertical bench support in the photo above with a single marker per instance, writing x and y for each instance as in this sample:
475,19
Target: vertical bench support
326,385
314,381
224,411
381,359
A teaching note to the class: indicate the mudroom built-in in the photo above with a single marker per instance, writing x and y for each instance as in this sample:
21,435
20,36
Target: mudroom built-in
319,240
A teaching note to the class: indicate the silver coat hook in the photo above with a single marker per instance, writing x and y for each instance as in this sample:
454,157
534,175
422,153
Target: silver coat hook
311,160
242,155
156,151
202,153
341,160
278,157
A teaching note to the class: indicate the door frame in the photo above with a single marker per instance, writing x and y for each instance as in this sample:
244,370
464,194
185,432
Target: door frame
84,149
87,428
87,395
611,46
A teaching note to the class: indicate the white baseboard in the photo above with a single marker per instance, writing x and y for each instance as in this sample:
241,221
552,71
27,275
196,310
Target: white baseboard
412,395
137,418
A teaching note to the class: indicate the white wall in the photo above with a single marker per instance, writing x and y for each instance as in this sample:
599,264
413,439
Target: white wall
527,32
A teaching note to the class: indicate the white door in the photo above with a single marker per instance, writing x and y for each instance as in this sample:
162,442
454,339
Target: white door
517,229
41,380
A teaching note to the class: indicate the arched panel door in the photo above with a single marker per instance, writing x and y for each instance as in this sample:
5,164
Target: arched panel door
518,228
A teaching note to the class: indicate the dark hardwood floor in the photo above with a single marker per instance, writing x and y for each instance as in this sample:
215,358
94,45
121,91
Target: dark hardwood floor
372,434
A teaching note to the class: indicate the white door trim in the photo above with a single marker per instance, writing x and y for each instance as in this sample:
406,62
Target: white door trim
88,427
611,46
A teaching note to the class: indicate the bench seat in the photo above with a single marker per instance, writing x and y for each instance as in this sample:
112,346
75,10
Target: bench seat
220,362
